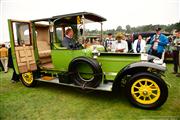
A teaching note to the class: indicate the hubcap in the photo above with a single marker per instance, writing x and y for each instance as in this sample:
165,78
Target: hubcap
27,77
145,91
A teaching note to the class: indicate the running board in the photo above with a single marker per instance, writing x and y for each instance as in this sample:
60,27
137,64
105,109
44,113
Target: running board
104,87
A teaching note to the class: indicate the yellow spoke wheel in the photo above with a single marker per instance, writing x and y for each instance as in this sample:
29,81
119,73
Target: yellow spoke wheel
145,91
28,79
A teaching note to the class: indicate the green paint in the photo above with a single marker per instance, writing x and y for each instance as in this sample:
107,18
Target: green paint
113,64
12,46
62,57
85,71
34,43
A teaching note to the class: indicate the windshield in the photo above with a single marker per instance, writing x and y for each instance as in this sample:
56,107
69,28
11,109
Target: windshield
82,33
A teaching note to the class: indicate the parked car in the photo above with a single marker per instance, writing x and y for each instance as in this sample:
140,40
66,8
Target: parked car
39,56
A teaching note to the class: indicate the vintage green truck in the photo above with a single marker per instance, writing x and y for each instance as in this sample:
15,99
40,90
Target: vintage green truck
39,56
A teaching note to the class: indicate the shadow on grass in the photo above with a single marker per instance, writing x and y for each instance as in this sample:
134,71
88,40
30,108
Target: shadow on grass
93,94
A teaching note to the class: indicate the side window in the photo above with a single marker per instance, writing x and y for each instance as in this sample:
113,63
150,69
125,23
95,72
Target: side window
21,33
59,35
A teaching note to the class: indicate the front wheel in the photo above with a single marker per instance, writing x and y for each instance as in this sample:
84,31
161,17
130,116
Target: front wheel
147,91
28,80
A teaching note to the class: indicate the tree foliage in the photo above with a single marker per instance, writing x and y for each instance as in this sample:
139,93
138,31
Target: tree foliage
144,28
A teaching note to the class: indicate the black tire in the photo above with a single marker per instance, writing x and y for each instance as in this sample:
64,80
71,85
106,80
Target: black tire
162,87
75,76
28,83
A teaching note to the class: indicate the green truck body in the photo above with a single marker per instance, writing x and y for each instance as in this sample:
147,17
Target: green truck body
38,56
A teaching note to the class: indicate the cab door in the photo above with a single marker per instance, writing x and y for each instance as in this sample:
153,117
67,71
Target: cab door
22,48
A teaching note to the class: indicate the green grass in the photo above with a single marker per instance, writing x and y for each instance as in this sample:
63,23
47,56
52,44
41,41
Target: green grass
54,102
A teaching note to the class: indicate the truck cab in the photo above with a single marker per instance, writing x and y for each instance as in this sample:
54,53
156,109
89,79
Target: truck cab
38,55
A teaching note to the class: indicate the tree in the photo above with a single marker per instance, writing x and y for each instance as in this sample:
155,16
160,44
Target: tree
128,28
119,29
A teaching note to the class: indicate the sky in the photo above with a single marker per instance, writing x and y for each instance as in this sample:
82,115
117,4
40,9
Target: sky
117,12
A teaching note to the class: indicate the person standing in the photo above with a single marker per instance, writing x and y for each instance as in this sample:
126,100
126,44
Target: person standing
178,75
108,42
15,77
176,49
158,42
1,66
122,45
4,57
139,45
10,60
129,42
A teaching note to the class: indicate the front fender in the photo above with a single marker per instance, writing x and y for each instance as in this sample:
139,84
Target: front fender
136,68
147,64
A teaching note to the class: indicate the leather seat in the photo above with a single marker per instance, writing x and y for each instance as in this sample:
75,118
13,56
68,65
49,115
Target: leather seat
43,49
44,55
43,45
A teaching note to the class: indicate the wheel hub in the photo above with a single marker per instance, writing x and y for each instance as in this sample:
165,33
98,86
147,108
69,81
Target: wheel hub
145,91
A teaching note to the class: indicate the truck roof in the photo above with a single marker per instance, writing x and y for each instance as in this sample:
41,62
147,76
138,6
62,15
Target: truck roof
73,17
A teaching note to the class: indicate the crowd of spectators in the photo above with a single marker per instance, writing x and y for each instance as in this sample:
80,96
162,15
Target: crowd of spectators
154,45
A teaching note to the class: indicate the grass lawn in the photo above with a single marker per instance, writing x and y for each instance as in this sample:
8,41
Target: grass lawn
53,102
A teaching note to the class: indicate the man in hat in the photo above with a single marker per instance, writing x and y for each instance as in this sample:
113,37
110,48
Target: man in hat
158,42
121,45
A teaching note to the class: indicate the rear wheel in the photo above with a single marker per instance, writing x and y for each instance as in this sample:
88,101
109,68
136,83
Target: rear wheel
147,91
28,79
